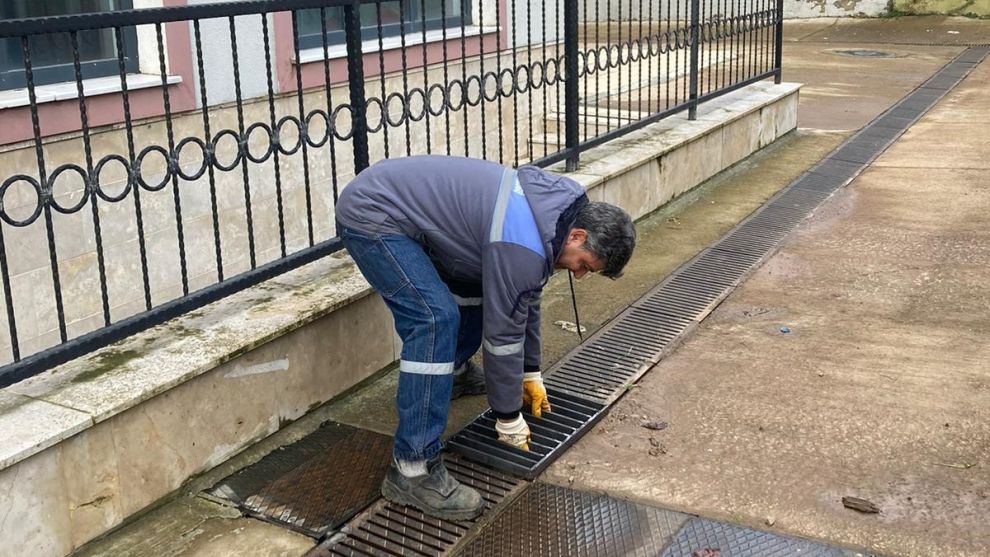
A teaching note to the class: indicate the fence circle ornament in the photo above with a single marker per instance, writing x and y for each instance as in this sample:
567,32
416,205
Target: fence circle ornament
280,141
398,107
335,122
537,80
522,79
441,98
491,85
37,203
614,56
98,173
53,183
602,58
451,104
139,167
374,114
506,79
203,163
552,70
474,90
248,133
416,97
310,128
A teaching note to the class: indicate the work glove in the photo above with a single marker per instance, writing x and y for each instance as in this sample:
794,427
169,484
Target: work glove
515,433
535,394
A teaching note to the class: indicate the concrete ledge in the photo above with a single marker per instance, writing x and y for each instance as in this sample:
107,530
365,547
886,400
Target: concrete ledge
92,442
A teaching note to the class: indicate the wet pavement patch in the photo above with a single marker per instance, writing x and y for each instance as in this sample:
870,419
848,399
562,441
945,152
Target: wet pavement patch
864,53
316,484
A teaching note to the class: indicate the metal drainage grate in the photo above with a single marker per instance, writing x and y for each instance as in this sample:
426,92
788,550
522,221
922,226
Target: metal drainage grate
316,484
547,520
552,434
388,529
700,534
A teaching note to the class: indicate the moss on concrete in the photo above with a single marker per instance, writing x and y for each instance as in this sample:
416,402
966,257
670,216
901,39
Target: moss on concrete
105,362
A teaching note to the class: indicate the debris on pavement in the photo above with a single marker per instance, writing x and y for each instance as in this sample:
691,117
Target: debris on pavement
654,425
785,329
861,505
959,466
707,552
771,521
658,449
569,327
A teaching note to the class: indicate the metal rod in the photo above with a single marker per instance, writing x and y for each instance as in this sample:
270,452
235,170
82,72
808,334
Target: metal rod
695,39
355,77
571,94
242,146
45,192
274,131
778,54
90,185
303,128
208,158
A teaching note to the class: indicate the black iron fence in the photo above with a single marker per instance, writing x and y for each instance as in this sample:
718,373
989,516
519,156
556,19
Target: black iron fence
198,150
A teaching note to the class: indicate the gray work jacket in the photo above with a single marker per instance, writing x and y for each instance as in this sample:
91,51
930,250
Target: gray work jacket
484,226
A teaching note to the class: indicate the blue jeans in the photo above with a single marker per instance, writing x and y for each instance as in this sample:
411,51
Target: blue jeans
427,318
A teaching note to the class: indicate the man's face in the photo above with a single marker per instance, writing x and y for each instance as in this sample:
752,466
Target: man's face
574,257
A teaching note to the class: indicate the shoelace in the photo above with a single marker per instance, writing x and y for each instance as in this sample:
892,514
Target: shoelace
577,320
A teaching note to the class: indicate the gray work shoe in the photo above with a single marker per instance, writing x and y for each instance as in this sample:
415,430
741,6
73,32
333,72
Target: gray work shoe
470,381
437,493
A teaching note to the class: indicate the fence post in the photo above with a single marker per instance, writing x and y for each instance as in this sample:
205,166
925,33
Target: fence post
571,94
695,39
355,77
778,56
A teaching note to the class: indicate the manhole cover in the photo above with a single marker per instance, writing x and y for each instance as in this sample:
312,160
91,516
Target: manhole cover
865,53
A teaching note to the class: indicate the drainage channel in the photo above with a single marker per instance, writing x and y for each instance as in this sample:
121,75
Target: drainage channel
319,484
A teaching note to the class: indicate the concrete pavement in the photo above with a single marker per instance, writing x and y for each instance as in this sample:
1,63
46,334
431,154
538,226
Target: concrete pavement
880,389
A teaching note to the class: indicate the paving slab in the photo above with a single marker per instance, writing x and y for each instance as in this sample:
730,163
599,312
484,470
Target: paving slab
193,527
854,363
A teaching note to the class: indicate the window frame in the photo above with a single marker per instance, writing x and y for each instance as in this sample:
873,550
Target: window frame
413,25
14,76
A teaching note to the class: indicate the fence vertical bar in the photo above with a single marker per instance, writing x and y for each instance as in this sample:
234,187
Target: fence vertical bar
693,95
779,47
242,146
355,77
571,99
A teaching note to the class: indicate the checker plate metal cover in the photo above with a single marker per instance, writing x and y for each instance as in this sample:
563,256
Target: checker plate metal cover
700,534
316,484
552,521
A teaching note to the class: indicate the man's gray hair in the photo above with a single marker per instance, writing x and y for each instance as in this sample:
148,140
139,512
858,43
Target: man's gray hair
611,235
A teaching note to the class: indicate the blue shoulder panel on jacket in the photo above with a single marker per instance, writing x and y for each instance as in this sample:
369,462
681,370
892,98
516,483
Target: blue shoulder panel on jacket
519,226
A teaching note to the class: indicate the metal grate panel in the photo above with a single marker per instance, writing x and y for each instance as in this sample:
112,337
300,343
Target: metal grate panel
836,168
387,529
316,484
552,434
972,55
700,534
856,151
552,521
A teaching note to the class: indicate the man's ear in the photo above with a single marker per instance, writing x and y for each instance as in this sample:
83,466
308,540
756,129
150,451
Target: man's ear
578,235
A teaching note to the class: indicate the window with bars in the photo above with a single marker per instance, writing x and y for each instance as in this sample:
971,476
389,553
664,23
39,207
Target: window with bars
433,14
51,55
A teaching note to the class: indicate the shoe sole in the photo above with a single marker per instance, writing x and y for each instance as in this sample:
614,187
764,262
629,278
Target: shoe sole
394,495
